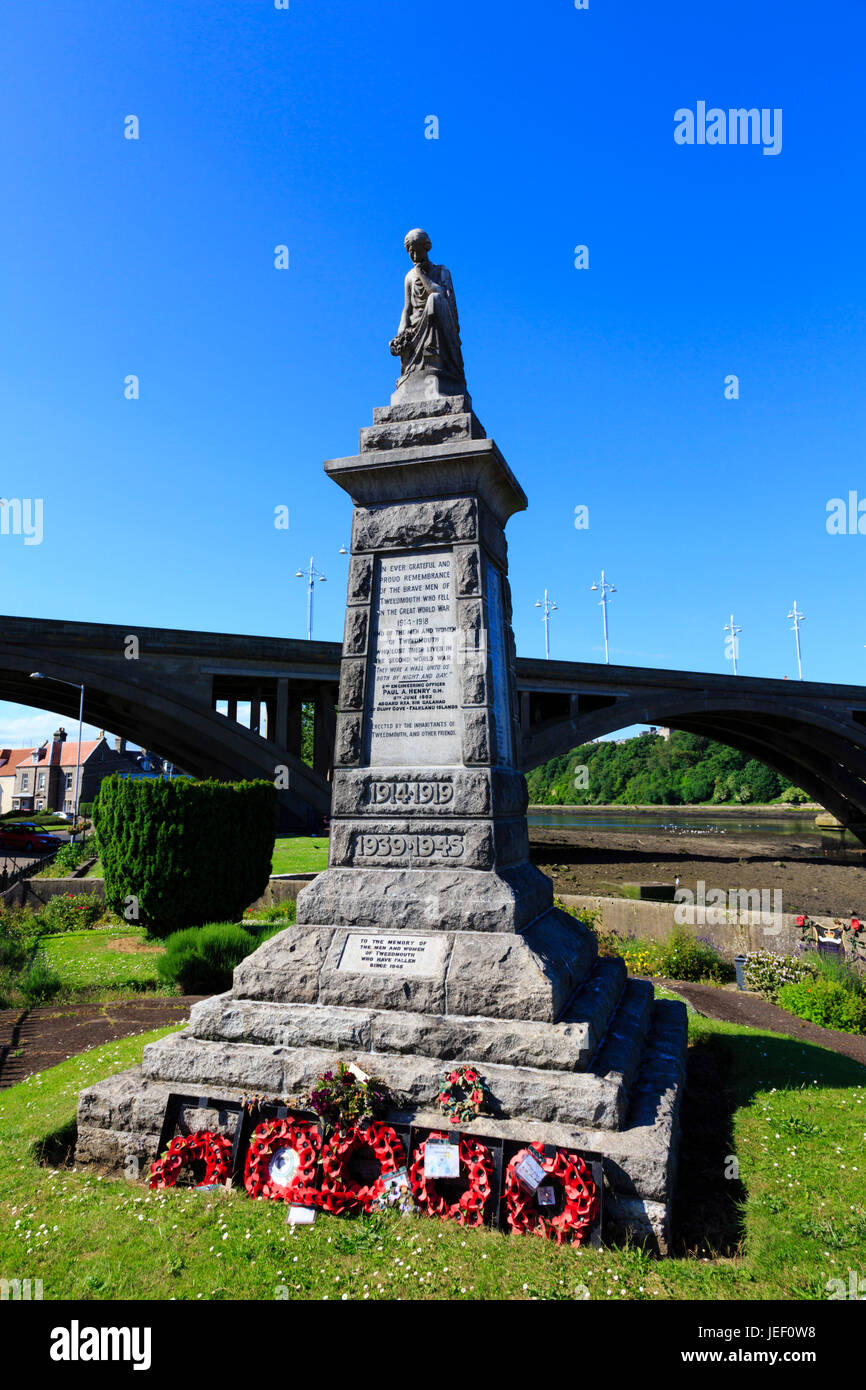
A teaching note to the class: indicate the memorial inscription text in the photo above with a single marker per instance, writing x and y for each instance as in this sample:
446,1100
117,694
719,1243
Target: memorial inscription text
405,955
413,718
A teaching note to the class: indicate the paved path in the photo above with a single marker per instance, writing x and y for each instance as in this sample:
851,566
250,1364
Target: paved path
736,1006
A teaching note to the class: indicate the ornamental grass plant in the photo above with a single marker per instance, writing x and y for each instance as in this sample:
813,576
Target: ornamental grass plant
201,959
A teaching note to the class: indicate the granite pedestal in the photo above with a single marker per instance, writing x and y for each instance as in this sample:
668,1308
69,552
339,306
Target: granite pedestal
431,938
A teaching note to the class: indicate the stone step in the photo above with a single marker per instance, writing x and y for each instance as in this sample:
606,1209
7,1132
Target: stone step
572,1098
119,1122
568,1045
620,1056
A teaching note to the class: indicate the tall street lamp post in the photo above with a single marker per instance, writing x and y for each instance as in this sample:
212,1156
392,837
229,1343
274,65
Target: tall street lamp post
311,574
549,607
606,589
798,619
733,634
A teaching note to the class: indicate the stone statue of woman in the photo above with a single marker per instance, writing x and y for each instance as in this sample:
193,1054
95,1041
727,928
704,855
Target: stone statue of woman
428,339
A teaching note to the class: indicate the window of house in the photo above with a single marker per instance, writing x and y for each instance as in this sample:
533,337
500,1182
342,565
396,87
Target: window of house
68,781
41,782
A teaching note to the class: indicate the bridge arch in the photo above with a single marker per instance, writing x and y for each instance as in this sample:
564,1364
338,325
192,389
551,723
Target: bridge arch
817,747
169,711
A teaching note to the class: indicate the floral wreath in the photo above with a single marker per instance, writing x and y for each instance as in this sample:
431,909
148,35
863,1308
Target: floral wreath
345,1095
476,1163
462,1092
214,1150
339,1192
267,1139
581,1205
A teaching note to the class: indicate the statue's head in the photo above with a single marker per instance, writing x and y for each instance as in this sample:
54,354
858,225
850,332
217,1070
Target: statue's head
417,243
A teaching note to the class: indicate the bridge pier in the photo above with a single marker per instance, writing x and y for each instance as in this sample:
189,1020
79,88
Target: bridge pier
324,732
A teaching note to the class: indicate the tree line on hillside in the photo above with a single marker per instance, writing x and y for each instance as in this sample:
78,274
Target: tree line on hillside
685,769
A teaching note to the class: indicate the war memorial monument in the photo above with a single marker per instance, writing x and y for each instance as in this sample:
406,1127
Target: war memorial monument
431,938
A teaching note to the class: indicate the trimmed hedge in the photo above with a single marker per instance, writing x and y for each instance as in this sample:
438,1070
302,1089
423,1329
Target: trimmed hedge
188,852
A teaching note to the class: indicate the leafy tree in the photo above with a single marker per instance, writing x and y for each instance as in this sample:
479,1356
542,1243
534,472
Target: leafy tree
650,770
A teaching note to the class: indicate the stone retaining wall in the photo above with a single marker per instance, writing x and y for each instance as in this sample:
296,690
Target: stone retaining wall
36,892
741,932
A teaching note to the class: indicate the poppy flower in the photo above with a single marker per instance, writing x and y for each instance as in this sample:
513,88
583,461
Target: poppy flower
454,1078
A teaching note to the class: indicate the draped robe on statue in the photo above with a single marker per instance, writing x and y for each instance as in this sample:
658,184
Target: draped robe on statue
429,340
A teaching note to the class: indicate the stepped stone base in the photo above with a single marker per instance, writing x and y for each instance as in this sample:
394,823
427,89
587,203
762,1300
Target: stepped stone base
605,1078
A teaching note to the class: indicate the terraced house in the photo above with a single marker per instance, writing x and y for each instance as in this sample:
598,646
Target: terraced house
45,779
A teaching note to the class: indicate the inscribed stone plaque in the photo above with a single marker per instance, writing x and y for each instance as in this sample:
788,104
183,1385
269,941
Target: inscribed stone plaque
413,716
496,638
392,955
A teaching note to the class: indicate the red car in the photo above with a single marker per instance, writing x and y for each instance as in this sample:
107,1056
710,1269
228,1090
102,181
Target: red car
28,837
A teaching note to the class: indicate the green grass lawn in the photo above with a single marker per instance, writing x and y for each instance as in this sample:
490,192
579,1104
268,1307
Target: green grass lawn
298,854
792,1115
110,961
301,854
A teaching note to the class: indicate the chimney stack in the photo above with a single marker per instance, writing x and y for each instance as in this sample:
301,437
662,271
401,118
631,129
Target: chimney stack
60,735
120,745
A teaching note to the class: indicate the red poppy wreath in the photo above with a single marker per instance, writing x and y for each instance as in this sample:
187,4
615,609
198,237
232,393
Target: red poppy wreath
339,1191
580,1199
282,1160
476,1163
213,1150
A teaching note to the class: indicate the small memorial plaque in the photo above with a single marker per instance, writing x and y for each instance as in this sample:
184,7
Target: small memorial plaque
399,954
546,1196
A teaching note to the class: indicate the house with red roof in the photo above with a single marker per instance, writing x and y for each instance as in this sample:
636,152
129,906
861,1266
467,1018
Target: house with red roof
46,778
9,760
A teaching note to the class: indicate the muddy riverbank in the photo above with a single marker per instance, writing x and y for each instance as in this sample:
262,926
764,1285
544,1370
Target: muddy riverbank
812,876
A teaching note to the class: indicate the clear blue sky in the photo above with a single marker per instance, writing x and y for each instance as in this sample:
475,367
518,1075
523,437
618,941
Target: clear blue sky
603,387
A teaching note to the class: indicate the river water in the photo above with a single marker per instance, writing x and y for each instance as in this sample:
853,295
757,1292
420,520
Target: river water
668,820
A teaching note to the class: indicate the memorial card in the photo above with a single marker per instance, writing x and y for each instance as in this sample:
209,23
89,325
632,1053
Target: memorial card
441,1160
529,1172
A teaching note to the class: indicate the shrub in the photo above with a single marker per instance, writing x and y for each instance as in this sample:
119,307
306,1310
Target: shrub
285,913
766,973
14,943
684,957
841,969
189,852
68,857
641,957
201,959
825,1002
71,912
